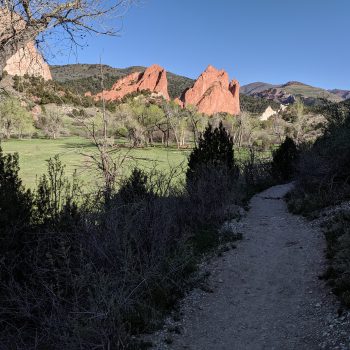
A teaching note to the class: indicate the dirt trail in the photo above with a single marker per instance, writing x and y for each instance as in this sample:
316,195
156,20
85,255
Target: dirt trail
267,294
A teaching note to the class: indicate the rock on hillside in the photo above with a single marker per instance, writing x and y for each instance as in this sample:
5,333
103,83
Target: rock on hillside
86,77
287,93
27,60
153,79
344,94
212,93
269,112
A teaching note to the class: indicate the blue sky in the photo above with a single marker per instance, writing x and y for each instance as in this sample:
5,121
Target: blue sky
254,40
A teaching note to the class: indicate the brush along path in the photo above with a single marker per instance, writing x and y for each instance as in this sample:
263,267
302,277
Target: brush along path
266,294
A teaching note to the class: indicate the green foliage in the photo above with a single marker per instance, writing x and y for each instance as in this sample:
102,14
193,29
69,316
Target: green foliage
56,195
285,159
323,180
92,84
324,168
257,105
81,78
15,119
178,84
215,149
50,91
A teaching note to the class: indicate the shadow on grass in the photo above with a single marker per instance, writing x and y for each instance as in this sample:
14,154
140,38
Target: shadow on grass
86,144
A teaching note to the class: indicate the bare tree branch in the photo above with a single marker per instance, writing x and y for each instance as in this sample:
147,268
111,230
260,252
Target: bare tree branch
23,20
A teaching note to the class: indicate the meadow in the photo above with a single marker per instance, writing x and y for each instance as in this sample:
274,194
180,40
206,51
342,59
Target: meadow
74,151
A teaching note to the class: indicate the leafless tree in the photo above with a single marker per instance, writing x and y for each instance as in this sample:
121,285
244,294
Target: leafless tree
194,120
176,121
108,158
52,124
22,21
278,128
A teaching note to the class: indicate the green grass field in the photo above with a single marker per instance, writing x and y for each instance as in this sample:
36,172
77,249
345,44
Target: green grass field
34,153
74,151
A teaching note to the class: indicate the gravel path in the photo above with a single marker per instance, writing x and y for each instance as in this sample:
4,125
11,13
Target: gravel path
266,294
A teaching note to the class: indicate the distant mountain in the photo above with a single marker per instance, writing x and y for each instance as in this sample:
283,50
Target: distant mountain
287,93
87,77
344,94
254,88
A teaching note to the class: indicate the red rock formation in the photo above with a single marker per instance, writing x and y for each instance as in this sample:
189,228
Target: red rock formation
27,60
212,93
153,79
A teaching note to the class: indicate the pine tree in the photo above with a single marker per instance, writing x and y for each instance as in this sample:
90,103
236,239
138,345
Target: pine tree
214,149
284,160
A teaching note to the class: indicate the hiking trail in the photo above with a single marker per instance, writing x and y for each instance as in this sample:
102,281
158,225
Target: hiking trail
267,293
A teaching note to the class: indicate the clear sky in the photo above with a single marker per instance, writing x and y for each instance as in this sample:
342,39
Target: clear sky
272,41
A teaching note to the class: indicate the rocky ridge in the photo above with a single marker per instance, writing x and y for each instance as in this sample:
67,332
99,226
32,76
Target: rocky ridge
211,93
153,79
287,93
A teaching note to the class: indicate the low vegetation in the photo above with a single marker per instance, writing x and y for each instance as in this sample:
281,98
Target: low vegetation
323,169
257,105
92,270
323,190
96,269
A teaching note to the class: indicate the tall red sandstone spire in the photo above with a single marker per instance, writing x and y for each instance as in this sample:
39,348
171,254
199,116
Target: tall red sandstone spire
212,93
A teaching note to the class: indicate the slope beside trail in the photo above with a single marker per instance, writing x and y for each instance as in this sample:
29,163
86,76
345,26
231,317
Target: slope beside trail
267,293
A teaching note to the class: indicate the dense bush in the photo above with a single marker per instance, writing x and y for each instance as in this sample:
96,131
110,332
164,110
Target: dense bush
49,91
257,105
324,180
214,150
134,188
15,120
89,274
324,168
15,205
337,230
284,160
255,174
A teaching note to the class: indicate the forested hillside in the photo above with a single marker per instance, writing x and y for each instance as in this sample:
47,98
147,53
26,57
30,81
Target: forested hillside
87,77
